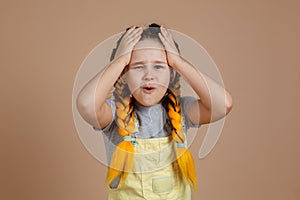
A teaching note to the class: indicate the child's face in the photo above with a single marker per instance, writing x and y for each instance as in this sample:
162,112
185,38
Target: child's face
148,74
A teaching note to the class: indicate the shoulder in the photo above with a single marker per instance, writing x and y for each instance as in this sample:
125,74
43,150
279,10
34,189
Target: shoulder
185,103
110,126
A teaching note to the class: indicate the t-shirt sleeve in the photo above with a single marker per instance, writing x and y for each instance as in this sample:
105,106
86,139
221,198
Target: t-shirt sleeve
186,102
112,104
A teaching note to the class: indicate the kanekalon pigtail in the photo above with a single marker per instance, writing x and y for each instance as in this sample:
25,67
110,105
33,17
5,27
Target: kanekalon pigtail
184,157
123,157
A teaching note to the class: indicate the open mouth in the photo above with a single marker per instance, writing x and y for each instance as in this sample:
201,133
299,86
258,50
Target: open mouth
148,89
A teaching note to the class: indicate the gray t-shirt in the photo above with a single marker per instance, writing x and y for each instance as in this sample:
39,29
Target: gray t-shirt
153,123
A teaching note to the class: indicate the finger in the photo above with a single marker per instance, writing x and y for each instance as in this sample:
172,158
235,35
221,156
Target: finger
166,37
169,47
163,31
164,41
162,38
167,34
129,31
136,35
169,38
137,32
136,40
133,34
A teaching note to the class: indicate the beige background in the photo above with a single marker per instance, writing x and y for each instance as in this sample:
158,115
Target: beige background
255,45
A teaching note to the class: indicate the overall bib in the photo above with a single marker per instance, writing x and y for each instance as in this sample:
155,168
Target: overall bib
156,174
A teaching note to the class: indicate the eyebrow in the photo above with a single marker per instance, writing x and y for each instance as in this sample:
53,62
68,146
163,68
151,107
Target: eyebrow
155,62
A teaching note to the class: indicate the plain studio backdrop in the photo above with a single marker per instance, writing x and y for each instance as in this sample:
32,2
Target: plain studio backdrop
255,45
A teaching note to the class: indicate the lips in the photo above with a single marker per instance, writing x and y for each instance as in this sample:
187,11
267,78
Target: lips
148,89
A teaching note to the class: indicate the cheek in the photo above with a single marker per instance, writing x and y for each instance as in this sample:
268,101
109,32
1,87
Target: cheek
132,81
165,79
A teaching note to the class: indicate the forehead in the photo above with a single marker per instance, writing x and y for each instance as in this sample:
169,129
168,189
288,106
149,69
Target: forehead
148,44
148,51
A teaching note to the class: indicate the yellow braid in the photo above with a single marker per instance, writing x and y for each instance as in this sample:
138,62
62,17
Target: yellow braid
123,157
184,157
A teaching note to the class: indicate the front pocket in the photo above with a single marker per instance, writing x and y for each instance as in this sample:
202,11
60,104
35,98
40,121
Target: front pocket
164,184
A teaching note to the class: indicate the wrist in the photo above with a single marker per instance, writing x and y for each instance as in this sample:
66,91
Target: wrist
175,62
123,59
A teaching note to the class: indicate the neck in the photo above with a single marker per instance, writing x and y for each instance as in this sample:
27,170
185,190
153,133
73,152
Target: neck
142,107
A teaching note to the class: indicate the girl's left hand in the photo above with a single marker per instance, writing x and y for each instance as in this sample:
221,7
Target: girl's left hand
169,44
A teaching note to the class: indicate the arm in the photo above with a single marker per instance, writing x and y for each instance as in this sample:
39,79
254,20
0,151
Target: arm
91,99
214,103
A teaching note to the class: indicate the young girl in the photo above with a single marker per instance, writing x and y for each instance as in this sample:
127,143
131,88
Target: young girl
144,125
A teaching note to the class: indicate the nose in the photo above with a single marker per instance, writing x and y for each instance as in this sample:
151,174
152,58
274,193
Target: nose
148,76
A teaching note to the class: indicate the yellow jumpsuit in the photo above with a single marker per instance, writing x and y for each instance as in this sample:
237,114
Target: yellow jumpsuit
155,175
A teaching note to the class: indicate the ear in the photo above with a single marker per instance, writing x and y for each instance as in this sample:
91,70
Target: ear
172,75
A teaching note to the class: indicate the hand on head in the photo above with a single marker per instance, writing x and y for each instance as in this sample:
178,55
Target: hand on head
134,34
128,41
170,46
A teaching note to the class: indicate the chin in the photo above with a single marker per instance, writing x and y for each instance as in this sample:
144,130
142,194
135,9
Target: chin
147,103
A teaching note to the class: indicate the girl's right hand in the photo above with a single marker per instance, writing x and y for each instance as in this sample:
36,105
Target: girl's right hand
127,43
